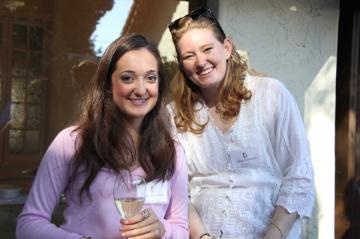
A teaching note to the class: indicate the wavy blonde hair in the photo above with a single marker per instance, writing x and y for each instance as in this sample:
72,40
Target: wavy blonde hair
185,93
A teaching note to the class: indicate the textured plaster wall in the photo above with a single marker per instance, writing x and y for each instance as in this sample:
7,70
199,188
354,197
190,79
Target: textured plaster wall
295,41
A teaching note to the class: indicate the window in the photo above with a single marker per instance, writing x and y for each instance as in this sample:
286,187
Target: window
23,78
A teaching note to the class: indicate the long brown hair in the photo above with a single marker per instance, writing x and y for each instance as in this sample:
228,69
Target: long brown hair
186,93
104,141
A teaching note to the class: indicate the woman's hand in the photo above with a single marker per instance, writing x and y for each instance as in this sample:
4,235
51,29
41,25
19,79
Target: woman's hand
144,225
280,224
272,233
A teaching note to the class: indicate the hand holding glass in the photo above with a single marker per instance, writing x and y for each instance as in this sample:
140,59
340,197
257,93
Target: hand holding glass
129,194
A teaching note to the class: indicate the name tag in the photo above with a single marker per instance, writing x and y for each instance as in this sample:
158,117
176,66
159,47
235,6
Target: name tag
241,157
157,192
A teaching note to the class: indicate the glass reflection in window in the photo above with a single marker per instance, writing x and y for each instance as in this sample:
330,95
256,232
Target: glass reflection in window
33,117
34,91
17,115
16,141
18,89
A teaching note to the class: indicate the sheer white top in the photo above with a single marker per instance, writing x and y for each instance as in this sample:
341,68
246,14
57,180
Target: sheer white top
237,177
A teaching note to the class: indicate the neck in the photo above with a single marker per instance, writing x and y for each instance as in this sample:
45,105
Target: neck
210,96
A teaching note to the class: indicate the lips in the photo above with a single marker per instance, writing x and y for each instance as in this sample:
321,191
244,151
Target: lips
205,71
139,101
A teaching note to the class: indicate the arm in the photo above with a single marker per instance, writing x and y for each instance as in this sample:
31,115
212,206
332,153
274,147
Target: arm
281,223
176,217
196,226
296,195
50,182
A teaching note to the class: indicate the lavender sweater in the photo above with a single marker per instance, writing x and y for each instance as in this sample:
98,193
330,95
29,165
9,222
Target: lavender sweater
97,218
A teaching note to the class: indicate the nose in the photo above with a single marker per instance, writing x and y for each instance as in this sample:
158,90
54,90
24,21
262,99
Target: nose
200,61
140,88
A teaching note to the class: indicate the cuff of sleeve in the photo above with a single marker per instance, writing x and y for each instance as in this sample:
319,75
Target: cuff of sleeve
303,206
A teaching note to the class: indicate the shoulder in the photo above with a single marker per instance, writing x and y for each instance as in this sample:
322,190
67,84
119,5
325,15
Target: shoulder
262,83
180,155
68,134
65,141
179,150
270,88
62,149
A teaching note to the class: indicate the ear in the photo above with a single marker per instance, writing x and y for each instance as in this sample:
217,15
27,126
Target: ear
228,45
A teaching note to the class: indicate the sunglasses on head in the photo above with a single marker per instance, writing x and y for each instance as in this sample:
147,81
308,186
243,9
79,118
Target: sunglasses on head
196,14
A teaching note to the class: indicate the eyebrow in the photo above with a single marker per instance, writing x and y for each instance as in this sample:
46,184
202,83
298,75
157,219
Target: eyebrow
134,72
201,47
206,45
151,71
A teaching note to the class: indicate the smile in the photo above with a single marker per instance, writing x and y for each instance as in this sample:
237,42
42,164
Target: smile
205,71
139,101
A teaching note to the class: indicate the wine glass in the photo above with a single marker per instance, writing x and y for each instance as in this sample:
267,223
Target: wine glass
129,194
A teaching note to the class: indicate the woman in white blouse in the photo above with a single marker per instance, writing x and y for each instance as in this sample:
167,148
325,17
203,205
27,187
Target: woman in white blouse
249,164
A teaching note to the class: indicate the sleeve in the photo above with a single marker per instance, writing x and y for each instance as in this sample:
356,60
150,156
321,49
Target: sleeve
293,156
34,222
176,217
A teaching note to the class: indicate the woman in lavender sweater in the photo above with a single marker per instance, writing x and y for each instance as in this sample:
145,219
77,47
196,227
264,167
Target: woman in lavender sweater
121,131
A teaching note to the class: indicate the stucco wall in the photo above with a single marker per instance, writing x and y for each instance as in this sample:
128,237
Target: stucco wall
295,42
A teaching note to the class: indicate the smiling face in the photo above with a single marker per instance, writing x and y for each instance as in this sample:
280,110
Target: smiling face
135,84
203,57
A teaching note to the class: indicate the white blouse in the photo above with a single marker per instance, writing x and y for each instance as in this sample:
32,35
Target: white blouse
237,177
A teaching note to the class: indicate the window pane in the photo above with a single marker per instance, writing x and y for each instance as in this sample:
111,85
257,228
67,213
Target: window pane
33,116
19,63
32,139
36,38
16,141
17,115
35,64
19,36
18,89
34,91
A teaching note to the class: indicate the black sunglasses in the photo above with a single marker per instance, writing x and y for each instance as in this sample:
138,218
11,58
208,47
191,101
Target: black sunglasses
196,14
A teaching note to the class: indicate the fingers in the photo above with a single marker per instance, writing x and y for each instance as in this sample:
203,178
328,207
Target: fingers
152,231
142,218
143,225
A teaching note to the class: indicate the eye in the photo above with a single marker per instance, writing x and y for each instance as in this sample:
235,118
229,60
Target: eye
125,78
207,49
152,78
187,57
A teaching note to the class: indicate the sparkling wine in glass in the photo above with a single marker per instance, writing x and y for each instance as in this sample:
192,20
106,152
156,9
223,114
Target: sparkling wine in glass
129,194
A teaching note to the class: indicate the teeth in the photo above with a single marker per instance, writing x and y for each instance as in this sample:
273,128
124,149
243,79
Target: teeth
205,71
138,101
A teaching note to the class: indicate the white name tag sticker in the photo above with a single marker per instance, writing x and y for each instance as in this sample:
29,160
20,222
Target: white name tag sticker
157,192
240,158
